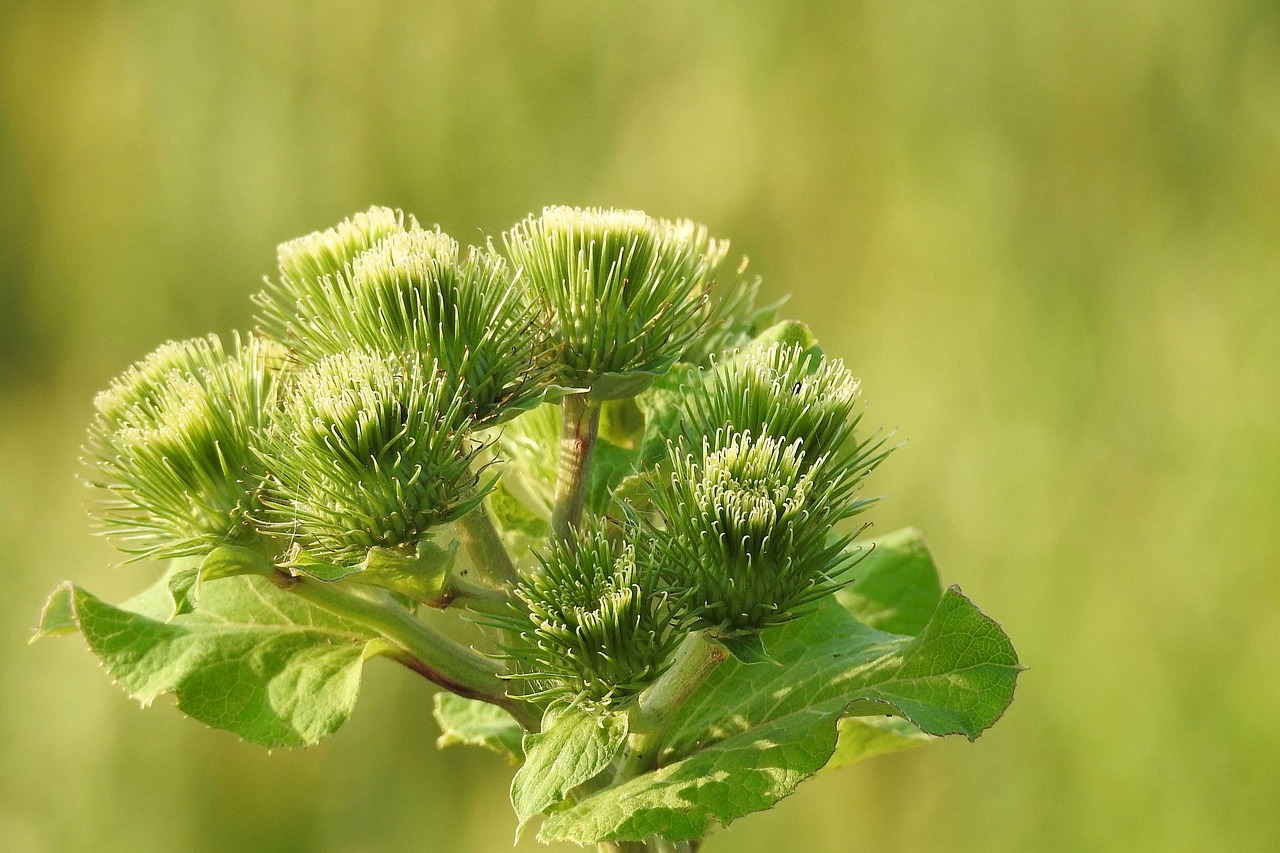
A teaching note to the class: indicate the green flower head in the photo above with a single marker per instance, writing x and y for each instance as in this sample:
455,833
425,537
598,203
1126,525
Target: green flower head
782,390
592,628
305,262
627,293
745,531
413,291
169,448
368,450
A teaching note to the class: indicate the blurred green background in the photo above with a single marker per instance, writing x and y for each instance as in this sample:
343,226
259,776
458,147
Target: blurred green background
1047,236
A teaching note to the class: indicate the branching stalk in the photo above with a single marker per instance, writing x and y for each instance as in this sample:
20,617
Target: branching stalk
577,442
432,655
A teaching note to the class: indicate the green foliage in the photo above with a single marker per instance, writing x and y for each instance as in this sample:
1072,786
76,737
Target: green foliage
251,659
572,748
473,723
681,645
753,733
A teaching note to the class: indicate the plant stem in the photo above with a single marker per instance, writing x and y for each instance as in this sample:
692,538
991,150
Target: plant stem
621,847
431,655
658,706
581,423
484,546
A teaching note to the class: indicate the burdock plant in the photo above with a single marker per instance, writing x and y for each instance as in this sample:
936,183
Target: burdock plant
643,494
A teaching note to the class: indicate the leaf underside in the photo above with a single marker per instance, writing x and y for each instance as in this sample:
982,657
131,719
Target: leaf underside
476,723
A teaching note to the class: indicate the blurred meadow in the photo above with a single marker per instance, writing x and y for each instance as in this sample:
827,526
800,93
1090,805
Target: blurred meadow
1046,235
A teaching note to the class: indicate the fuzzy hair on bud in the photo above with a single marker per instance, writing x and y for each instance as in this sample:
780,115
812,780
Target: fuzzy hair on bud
368,450
627,293
591,627
170,447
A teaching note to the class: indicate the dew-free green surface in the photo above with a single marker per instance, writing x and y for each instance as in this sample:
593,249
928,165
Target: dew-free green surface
470,722
250,659
573,746
754,732
1045,235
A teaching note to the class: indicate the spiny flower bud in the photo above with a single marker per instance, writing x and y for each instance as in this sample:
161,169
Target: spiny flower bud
413,291
746,531
170,445
626,291
307,261
593,629
782,390
368,450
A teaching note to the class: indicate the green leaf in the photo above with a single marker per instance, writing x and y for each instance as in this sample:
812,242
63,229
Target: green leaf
897,586
422,576
58,617
747,649
475,723
618,386
519,527
866,737
573,746
186,575
622,422
251,659
661,407
610,464
788,332
751,734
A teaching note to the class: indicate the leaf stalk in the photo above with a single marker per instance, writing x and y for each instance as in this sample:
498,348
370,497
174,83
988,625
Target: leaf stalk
439,659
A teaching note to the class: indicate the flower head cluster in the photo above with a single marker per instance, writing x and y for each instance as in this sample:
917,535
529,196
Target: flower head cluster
626,292
368,450
170,446
745,531
591,627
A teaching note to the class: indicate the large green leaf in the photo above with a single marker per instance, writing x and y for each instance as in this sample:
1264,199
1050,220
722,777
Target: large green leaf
896,590
251,659
573,746
896,587
476,723
752,733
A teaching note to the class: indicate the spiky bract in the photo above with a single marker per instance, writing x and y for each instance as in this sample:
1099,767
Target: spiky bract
745,531
169,447
596,630
414,291
782,390
626,291
307,261
369,449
